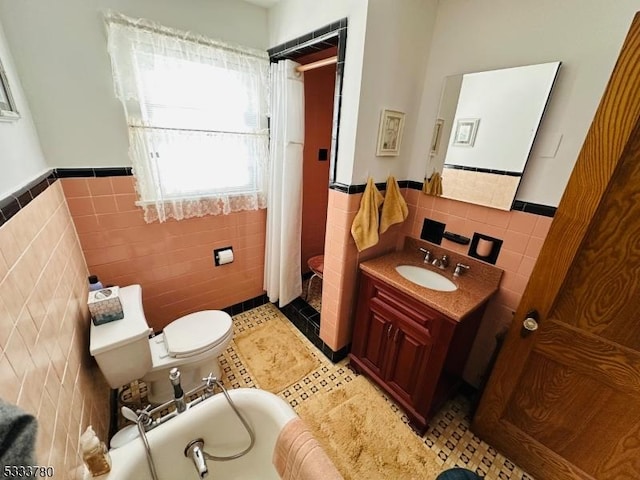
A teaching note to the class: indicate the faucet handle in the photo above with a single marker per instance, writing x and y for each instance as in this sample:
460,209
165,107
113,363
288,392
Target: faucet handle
427,254
210,381
459,268
445,261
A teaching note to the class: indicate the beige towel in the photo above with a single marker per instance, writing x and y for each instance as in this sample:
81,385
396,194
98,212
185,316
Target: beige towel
298,455
364,228
394,208
433,186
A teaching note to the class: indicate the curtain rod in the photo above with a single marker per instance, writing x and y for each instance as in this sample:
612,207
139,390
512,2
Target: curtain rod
150,26
318,64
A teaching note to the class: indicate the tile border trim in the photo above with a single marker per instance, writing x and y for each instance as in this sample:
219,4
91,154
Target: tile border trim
19,199
527,207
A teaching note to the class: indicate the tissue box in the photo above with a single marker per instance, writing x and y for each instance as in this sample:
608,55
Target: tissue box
105,306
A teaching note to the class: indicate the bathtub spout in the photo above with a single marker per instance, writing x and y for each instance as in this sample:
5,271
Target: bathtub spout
194,451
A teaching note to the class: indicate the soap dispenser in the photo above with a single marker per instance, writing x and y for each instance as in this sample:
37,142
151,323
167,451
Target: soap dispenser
94,453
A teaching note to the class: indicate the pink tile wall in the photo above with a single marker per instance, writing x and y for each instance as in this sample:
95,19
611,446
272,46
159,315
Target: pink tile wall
523,235
173,261
45,367
341,257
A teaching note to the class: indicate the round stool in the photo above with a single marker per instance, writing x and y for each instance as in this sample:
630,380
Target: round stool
316,265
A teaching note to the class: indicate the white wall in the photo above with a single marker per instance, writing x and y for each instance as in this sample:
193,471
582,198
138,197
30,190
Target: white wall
60,53
396,52
586,35
21,158
290,19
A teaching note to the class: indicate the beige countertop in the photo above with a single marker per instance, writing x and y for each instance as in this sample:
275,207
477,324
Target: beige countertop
475,286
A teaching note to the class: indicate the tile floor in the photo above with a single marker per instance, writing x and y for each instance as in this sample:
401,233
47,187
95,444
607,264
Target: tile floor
448,434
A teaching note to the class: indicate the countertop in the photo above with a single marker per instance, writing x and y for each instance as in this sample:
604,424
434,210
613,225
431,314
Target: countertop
475,286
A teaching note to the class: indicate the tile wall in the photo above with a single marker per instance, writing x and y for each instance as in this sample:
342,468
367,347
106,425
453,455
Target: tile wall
319,86
341,259
45,366
173,261
523,235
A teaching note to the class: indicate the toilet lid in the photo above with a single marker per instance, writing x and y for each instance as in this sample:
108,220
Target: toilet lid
196,332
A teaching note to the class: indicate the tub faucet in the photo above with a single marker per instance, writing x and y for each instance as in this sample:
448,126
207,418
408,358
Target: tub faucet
195,451
178,394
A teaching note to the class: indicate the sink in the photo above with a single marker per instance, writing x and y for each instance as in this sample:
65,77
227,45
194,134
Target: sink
426,278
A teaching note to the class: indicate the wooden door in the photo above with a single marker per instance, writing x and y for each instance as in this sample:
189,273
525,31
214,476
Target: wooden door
564,401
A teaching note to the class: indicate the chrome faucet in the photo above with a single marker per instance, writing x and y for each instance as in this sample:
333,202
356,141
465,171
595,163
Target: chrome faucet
427,255
441,263
178,394
195,451
459,269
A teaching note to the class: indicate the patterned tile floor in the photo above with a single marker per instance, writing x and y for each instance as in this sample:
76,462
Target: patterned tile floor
448,434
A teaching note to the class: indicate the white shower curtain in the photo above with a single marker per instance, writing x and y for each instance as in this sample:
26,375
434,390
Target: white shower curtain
282,273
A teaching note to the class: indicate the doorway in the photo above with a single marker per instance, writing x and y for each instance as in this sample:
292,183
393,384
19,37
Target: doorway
322,91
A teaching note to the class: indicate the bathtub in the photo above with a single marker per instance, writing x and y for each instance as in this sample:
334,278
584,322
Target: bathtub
223,434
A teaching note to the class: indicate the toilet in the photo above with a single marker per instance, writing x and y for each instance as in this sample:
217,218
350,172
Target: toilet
125,352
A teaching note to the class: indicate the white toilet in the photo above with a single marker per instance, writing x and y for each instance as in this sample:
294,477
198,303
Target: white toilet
192,343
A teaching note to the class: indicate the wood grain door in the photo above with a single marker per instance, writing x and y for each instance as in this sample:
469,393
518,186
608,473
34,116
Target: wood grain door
564,401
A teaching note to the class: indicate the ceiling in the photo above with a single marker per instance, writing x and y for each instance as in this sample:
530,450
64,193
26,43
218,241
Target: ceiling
263,3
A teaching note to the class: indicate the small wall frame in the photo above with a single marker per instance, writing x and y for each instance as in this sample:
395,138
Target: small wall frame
466,130
390,133
8,110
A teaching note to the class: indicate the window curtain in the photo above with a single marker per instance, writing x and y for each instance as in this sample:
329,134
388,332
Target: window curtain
282,275
197,116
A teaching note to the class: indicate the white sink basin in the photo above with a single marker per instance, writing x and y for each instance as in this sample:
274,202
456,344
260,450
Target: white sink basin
426,278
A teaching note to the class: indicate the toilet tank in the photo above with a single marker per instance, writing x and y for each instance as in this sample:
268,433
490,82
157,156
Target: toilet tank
121,347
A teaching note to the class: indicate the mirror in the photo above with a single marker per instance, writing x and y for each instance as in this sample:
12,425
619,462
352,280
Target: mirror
487,123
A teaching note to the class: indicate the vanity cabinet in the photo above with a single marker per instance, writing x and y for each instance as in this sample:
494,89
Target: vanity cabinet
412,351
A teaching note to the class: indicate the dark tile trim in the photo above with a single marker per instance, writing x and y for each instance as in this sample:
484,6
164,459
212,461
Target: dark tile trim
307,320
528,207
13,203
535,208
483,170
321,39
93,172
241,307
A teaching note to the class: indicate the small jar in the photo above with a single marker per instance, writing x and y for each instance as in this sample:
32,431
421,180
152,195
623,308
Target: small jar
94,453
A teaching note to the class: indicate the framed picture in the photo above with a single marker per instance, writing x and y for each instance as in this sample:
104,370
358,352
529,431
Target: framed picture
390,133
8,110
466,130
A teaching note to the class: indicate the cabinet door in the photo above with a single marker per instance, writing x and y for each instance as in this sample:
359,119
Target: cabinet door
408,358
377,335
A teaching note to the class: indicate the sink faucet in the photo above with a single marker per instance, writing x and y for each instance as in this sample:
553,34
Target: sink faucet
427,255
441,263
178,394
459,269
195,451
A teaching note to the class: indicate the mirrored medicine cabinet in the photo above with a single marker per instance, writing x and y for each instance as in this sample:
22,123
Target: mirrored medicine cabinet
486,126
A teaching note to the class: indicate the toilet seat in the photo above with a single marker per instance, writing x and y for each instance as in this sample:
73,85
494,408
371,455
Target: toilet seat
197,332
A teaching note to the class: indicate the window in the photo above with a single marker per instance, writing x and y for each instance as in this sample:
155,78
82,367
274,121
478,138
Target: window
197,117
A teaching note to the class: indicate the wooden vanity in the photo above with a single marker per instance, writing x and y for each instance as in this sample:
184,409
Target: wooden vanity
413,341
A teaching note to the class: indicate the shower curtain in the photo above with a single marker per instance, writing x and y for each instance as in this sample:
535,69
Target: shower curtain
282,272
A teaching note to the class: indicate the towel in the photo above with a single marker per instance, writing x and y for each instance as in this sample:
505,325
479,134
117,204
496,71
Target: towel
298,455
17,436
433,186
394,208
364,228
